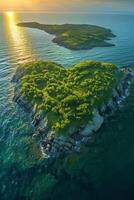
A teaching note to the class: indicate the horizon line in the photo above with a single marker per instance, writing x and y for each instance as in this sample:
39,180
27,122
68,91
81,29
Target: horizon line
68,12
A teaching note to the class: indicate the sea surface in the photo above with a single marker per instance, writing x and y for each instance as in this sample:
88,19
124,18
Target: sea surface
112,166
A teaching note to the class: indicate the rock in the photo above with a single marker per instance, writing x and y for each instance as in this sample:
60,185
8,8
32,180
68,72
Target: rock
103,108
120,89
86,139
56,145
54,150
69,145
78,143
115,94
77,149
94,125
72,141
66,148
48,146
110,104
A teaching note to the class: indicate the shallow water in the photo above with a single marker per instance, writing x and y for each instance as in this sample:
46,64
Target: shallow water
113,160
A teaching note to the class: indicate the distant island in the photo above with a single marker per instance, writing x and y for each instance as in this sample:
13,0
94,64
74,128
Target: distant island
68,105
75,36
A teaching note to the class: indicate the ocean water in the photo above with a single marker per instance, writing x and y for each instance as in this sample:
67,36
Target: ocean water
112,166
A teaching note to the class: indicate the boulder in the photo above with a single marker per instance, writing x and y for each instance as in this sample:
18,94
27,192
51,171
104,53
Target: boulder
94,125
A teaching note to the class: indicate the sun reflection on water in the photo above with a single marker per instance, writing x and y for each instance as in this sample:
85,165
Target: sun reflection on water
16,37
10,13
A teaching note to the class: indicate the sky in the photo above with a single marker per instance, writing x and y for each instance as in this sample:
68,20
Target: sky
68,5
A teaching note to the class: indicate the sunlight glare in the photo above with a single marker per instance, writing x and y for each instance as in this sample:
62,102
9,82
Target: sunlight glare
9,13
16,36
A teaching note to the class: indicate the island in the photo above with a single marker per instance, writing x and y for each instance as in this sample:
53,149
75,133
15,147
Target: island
68,105
75,36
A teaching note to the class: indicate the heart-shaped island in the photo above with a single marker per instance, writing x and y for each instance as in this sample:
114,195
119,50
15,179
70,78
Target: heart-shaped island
68,104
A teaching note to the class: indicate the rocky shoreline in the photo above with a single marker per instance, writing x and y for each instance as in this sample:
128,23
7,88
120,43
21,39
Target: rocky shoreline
54,146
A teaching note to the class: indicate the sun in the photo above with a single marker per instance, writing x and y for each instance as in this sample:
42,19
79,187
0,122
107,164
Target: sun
10,13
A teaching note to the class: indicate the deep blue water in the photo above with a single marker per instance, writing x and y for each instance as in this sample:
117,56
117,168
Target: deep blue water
112,164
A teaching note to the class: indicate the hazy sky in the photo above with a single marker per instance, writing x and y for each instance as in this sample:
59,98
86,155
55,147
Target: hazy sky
69,5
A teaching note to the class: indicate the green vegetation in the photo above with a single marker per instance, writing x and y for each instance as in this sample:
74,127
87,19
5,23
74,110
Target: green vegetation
74,36
67,97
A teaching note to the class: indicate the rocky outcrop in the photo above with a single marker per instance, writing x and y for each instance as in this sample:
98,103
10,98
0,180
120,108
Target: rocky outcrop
54,145
94,125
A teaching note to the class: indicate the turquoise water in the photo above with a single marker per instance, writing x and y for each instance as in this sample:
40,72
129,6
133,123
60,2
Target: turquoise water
112,157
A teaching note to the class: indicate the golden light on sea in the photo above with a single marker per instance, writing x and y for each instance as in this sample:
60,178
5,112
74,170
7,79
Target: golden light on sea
9,13
16,37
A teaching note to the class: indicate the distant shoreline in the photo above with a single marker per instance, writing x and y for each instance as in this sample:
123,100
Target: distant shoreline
75,36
